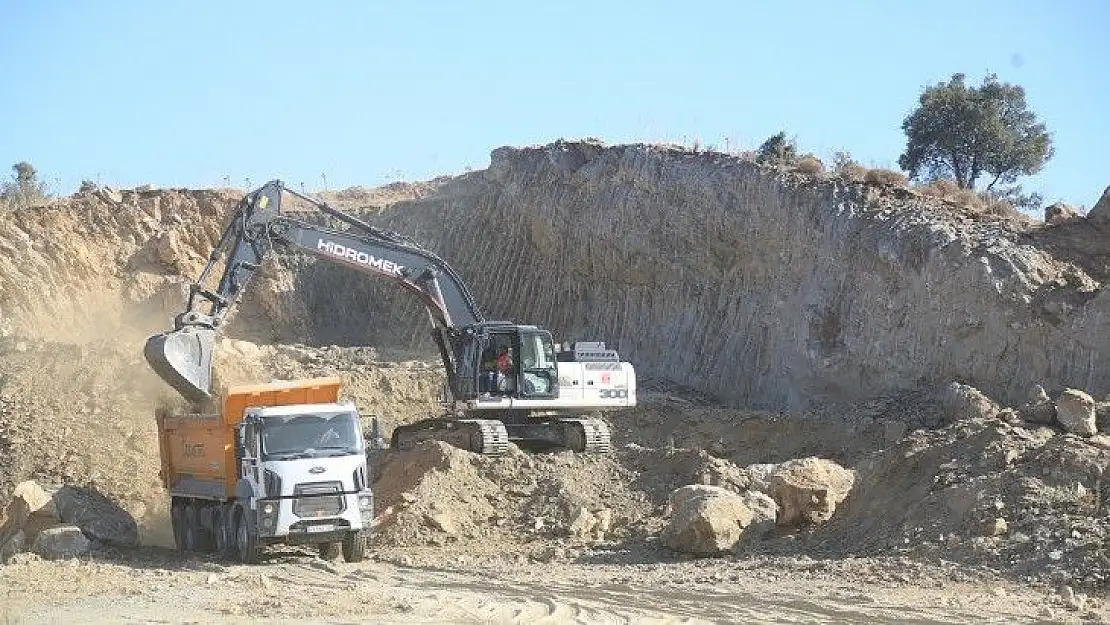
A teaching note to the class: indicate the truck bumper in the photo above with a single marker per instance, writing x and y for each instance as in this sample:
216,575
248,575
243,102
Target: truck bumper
285,525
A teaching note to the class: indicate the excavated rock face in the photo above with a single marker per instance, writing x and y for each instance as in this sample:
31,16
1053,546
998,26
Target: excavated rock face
743,282
753,285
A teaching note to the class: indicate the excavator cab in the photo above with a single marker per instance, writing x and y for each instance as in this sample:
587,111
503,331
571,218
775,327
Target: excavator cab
516,361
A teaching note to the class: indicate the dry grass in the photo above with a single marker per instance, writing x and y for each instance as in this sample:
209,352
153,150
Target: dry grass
852,171
943,189
885,177
810,164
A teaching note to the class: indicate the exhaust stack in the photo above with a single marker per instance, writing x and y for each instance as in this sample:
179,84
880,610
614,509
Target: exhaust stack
183,359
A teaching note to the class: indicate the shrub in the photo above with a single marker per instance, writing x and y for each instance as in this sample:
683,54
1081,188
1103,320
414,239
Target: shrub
885,177
941,188
845,167
810,164
777,150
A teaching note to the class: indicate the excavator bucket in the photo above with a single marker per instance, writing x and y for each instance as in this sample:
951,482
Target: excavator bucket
183,358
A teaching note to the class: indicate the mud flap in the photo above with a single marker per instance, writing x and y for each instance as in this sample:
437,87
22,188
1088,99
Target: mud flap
183,358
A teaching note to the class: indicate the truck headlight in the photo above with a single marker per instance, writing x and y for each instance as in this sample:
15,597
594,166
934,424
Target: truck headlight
365,502
268,508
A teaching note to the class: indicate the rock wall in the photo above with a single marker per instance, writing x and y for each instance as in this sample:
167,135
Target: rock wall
762,287
758,286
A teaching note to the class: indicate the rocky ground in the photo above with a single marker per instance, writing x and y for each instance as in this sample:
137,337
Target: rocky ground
931,502
936,506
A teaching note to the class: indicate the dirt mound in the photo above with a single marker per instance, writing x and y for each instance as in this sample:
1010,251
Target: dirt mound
69,418
1030,500
437,494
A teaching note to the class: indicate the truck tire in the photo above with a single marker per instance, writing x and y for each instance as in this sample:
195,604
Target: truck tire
225,543
330,551
177,520
246,541
354,547
191,526
206,533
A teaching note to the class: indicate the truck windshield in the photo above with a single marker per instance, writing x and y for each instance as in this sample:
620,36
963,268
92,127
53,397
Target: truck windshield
310,435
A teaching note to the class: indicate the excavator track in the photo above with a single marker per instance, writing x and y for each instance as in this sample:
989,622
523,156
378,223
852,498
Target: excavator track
481,436
586,435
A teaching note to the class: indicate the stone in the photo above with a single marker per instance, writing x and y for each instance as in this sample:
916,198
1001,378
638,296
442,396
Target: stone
706,520
582,523
39,501
960,401
1101,210
996,527
1060,213
759,476
66,541
16,543
765,512
604,522
808,490
1039,409
1075,411
1102,416
442,521
98,517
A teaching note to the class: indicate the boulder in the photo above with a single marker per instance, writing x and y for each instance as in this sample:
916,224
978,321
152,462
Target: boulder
1060,213
1101,209
706,520
1075,410
98,517
30,507
65,541
1102,416
808,490
960,401
759,476
39,501
15,543
1039,409
764,510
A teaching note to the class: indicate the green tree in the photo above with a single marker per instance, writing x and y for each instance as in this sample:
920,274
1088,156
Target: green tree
25,188
963,132
777,150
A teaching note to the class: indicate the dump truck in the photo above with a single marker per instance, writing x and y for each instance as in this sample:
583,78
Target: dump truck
280,463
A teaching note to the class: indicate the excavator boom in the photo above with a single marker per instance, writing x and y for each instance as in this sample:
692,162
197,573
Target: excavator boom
182,357
529,395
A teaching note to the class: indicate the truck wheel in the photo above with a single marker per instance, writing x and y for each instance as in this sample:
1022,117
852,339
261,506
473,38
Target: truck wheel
191,526
206,536
246,541
177,520
222,522
354,547
330,551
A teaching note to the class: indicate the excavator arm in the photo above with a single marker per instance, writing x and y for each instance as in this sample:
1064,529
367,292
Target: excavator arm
183,357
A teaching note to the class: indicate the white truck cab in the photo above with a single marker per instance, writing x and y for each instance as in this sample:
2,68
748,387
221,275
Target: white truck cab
304,476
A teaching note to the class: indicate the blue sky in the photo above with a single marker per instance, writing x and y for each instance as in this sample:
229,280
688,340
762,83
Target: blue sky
186,93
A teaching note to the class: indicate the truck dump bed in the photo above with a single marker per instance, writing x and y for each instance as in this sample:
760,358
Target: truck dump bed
198,450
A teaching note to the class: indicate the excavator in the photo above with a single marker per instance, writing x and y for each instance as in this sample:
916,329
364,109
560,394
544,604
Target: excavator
505,382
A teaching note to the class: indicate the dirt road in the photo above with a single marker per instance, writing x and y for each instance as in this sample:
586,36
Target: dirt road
434,585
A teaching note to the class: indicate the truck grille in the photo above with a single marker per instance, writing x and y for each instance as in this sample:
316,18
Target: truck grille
314,499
